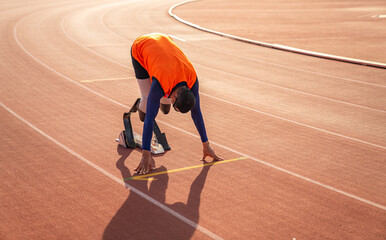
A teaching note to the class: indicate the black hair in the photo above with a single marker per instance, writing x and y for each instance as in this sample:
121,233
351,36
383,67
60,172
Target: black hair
185,100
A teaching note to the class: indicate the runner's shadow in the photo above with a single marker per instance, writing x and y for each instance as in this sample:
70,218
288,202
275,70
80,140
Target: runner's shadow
139,218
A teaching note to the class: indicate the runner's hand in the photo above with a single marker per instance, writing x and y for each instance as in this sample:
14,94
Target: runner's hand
146,164
208,152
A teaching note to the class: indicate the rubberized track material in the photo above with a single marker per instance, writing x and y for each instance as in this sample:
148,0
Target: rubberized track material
311,133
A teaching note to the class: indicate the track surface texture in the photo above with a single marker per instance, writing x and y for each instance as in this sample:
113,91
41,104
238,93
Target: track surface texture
307,135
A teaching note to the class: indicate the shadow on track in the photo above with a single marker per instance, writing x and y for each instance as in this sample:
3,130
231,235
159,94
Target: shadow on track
140,219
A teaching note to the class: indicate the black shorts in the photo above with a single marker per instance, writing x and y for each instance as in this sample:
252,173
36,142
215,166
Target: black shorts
140,72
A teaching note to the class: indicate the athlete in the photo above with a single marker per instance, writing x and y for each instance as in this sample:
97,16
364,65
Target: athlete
165,76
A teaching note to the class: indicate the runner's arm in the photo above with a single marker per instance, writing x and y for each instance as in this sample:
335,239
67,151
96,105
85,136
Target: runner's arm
197,115
152,107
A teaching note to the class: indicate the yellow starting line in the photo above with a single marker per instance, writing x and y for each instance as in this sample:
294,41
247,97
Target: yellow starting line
146,177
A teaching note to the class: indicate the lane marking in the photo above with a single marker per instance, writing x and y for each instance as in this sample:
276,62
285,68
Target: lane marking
180,129
147,176
107,79
172,36
378,15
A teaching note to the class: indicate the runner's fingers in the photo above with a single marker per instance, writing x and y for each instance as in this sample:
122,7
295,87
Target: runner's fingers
146,169
152,165
139,168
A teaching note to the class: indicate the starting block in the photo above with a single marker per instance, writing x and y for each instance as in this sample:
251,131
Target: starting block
155,147
129,139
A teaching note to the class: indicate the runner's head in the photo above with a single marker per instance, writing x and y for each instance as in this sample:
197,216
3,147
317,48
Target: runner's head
185,100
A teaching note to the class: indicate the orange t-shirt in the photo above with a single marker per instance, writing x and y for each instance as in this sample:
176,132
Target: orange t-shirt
164,60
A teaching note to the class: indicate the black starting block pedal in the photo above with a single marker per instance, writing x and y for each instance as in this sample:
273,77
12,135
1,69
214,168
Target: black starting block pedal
160,137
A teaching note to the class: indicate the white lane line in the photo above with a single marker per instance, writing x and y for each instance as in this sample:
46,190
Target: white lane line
196,136
223,100
111,176
172,36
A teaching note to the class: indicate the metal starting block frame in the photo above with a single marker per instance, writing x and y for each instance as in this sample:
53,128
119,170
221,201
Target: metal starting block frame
130,139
